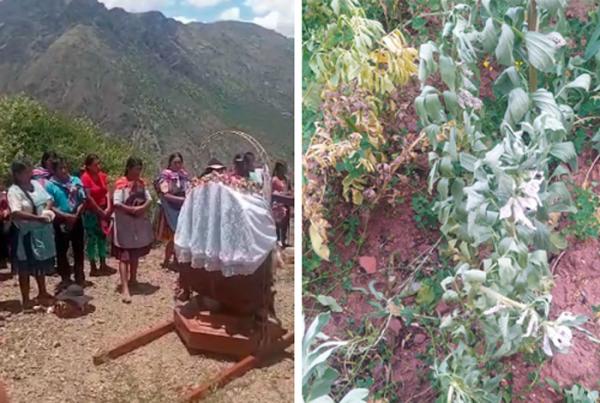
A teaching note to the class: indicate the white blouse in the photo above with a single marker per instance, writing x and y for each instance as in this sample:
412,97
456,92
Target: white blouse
18,201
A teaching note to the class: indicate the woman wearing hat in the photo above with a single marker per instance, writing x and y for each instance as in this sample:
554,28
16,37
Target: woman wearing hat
32,240
214,165
171,186
240,167
71,302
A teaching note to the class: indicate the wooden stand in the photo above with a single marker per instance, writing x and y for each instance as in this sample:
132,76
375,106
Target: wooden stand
216,333
239,369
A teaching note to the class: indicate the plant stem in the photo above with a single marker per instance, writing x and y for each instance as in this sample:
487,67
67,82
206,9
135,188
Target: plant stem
532,26
501,298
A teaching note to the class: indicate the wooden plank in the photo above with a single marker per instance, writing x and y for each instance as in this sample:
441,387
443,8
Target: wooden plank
3,393
134,342
239,369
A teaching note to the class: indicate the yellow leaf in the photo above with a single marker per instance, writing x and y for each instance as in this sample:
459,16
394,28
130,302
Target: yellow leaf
357,197
317,242
393,309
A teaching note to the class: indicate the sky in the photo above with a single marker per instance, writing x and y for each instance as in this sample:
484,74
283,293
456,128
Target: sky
272,14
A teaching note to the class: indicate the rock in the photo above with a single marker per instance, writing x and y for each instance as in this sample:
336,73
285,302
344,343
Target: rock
420,338
368,263
56,344
395,326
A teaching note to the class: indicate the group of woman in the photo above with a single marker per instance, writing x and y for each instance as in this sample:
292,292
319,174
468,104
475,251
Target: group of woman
48,210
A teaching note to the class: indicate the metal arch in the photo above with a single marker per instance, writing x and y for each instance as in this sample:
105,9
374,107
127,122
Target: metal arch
262,153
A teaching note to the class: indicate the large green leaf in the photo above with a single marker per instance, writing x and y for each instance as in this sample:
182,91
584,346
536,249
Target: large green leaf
322,385
581,83
489,36
518,105
448,71
593,46
451,102
329,302
356,396
507,80
542,48
427,64
504,50
434,108
565,152
545,101
558,198
467,161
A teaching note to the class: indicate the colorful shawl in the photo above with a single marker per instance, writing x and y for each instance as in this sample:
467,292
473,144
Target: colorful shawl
74,192
135,191
42,175
176,184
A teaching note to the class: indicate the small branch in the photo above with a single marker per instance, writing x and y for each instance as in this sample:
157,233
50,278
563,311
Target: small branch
589,171
418,395
555,263
580,121
532,26
396,164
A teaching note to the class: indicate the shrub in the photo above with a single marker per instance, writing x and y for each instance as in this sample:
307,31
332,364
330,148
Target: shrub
27,129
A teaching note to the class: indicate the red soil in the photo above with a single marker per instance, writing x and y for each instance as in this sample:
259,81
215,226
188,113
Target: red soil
392,232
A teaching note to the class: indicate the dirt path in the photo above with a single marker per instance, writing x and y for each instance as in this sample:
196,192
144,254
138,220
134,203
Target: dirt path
47,359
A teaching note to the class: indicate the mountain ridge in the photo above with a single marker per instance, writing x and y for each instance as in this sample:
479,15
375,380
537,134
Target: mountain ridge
149,78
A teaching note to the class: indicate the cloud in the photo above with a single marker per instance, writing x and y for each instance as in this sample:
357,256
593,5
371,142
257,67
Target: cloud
231,14
184,20
269,21
137,6
204,3
273,14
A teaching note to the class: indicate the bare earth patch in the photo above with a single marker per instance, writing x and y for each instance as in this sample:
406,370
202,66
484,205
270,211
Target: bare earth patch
47,359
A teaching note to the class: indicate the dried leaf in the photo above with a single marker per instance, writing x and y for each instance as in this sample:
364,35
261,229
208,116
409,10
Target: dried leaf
393,309
317,242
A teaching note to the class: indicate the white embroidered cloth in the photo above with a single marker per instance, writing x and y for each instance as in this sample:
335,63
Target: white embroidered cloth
220,228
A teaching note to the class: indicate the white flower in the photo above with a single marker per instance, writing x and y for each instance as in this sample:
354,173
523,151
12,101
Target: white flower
531,188
556,338
516,207
534,320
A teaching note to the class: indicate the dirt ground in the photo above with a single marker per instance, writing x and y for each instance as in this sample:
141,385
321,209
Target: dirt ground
47,359
393,232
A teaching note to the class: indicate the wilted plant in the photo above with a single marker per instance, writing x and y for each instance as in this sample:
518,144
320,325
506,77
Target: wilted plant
353,68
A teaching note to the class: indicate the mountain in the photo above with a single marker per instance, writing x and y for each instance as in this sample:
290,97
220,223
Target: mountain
162,84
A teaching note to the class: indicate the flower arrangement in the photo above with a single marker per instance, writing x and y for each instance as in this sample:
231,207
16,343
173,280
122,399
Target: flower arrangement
238,183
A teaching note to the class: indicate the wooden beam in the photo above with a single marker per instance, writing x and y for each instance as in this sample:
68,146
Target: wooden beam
134,342
239,369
